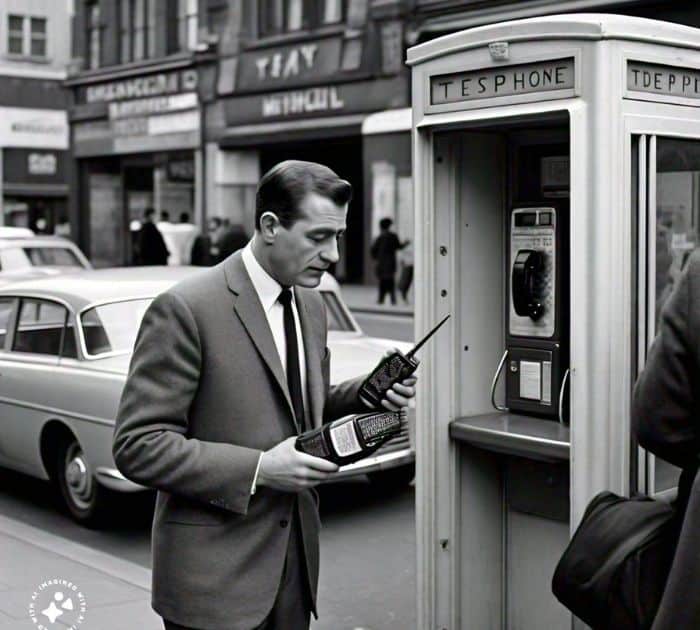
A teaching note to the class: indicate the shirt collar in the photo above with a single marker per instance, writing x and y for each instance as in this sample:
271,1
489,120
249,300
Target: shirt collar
267,288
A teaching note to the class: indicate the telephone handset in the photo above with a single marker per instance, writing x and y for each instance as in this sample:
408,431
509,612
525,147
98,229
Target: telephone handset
528,265
536,354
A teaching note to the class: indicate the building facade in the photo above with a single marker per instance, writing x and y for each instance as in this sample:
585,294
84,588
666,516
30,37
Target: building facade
34,157
181,105
138,81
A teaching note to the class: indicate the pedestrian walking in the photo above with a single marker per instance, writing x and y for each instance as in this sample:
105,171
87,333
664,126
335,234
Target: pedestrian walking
152,248
406,272
228,367
665,415
232,239
383,251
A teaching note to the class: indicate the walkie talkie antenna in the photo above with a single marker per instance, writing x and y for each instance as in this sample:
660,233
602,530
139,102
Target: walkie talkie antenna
418,346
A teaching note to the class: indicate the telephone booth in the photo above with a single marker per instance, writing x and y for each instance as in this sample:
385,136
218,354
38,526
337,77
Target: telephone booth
557,191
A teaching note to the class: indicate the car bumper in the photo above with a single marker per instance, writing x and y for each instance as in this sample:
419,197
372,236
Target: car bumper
375,463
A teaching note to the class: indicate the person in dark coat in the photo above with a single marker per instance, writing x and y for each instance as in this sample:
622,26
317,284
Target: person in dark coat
232,239
152,249
665,417
204,250
384,251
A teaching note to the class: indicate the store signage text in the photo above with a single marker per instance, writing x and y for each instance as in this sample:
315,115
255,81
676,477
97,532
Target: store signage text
293,65
286,63
41,163
663,80
152,105
317,99
543,76
140,87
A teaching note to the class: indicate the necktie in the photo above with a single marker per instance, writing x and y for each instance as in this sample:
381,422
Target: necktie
293,371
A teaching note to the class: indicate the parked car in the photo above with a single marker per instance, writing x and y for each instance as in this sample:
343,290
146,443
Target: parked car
25,257
65,347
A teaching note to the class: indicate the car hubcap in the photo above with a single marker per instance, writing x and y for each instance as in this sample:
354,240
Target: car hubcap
78,477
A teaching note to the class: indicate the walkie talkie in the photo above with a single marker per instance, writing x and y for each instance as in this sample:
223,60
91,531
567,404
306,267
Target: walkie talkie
391,369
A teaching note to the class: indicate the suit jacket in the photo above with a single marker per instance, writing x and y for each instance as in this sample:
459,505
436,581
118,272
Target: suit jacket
206,392
665,415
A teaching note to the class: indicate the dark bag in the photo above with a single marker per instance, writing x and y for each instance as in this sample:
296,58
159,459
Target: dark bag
613,573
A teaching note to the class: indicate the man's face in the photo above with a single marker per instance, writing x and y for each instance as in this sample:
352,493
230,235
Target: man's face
303,252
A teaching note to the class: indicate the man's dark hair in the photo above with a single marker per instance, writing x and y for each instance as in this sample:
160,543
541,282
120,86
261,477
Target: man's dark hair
184,217
164,215
148,212
385,224
214,222
282,189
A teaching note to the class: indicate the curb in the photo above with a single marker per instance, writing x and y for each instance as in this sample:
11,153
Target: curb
378,310
129,572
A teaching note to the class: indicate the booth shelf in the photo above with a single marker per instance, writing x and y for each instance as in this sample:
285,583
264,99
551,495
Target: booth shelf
514,434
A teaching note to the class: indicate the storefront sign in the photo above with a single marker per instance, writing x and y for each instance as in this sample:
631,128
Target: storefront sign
350,98
33,128
287,66
41,163
140,87
317,99
27,166
663,80
531,78
153,105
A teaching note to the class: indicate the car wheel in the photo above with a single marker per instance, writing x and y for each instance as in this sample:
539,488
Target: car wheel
393,478
85,499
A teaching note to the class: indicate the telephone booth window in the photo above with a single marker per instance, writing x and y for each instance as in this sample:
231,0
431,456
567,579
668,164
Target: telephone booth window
666,179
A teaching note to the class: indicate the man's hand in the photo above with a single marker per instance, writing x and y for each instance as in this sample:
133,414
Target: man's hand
283,467
401,393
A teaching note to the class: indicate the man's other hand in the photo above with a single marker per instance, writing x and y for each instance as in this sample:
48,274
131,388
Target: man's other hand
283,467
400,394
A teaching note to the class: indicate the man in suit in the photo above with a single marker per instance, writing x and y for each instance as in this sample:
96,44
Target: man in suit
665,415
228,367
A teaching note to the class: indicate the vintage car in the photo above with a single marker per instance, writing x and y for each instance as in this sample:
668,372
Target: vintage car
24,257
65,346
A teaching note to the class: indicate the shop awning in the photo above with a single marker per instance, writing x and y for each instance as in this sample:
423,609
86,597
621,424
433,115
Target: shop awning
34,190
292,131
388,121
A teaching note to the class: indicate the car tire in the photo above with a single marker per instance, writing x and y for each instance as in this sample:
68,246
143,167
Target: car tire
85,499
393,479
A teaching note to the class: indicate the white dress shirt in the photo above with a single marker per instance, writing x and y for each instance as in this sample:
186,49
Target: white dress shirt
268,290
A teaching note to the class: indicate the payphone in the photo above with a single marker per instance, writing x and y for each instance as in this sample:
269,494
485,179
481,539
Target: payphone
536,357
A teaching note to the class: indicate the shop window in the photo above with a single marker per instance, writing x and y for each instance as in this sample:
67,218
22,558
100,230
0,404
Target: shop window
93,37
277,17
26,36
137,30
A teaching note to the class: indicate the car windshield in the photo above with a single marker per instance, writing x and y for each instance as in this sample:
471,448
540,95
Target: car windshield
337,318
112,327
13,258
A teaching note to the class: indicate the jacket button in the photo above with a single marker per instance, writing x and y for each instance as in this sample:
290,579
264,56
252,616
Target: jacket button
284,523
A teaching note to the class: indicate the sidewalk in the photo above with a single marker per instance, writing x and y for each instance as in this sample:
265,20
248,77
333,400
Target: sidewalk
362,298
43,572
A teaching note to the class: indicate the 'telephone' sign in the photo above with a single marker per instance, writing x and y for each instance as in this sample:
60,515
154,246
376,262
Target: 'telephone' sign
663,80
529,78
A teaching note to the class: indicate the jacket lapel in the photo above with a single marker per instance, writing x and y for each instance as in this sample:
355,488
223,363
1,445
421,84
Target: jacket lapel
248,309
314,377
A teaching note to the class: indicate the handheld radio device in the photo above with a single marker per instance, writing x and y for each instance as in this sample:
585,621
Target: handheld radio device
391,369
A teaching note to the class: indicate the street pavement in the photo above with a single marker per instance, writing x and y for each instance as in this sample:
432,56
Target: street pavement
367,542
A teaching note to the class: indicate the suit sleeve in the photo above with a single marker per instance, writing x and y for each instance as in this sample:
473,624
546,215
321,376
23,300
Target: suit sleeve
151,445
664,407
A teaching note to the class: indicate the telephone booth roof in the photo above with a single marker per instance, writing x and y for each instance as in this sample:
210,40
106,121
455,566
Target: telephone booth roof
586,26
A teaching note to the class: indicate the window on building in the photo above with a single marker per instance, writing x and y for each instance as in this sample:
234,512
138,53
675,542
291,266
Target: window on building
93,36
26,36
277,17
137,30
187,24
